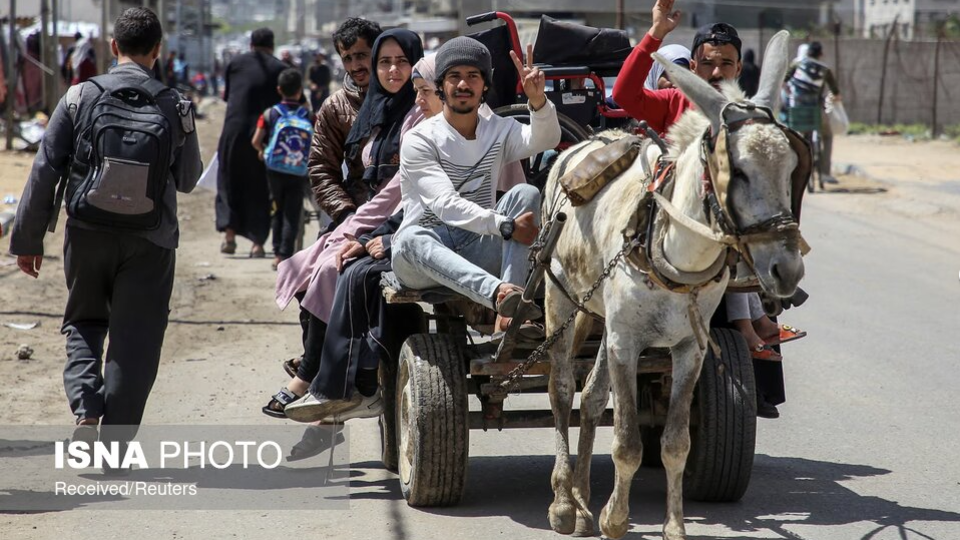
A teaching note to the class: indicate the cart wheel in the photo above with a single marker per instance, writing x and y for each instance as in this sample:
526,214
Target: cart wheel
537,168
817,156
388,420
410,320
723,441
814,142
433,432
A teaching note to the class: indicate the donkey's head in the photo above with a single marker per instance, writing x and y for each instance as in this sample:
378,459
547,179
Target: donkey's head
751,162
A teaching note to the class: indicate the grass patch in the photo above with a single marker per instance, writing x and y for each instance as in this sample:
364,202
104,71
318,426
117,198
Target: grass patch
952,133
914,131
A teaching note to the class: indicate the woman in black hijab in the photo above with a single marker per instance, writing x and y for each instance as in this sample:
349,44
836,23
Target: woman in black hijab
389,99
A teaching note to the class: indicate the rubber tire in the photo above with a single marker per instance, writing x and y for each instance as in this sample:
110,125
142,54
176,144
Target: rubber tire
437,425
814,179
388,420
571,133
388,384
724,441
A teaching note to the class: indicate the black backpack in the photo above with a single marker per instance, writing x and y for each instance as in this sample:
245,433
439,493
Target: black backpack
121,162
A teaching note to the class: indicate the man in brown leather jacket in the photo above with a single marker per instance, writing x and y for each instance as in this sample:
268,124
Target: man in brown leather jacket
353,39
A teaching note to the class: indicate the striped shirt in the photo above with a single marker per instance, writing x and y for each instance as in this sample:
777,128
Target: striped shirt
445,178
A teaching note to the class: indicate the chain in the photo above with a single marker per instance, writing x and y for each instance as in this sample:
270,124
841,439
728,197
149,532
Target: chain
514,376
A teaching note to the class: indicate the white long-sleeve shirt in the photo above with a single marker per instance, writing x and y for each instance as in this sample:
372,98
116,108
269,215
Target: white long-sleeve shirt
446,178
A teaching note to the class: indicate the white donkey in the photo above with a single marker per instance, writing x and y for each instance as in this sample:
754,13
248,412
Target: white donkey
753,153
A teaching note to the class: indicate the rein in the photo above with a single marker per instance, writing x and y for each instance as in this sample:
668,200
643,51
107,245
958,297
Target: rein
716,157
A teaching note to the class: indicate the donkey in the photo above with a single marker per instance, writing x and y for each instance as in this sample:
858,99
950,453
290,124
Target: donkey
755,217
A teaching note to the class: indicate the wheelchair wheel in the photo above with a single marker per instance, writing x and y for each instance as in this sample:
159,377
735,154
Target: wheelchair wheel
536,168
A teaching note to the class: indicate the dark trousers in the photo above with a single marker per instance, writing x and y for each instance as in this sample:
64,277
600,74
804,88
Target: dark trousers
359,335
313,338
119,286
287,194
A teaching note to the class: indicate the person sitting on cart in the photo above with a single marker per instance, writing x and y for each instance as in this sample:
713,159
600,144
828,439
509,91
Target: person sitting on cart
454,233
716,58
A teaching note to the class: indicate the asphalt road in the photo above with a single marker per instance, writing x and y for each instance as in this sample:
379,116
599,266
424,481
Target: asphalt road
866,448
867,444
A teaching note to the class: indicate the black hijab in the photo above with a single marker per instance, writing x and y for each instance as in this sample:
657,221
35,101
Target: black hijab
384,110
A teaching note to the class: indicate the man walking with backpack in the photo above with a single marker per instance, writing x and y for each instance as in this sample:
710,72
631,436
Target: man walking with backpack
283,141
120,146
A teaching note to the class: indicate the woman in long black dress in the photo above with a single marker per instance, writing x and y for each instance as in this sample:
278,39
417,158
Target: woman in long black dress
243,198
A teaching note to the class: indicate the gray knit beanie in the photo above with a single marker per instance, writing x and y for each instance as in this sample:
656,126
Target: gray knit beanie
464,51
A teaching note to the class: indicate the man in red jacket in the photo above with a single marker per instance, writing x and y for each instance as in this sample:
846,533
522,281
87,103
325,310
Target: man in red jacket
716,58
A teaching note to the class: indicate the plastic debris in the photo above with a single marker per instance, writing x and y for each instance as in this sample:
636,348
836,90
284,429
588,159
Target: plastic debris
22,326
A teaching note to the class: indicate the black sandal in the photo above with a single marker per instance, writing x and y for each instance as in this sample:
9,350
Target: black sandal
511,303
292,365
282,398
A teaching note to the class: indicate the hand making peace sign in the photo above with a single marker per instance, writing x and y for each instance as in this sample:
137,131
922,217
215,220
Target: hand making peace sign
534,82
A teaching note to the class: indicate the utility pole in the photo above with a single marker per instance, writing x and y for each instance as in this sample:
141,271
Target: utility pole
934,130
48,56
45,89
54,52
620,15
104,54
179,15
11,73
162,15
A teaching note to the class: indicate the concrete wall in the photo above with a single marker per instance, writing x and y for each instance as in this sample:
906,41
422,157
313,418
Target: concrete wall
909,84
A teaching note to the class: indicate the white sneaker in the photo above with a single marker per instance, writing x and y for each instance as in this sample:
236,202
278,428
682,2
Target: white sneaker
311,409
369,407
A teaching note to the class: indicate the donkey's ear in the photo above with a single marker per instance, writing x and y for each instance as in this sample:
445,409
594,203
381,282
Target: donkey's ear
776,60
705,97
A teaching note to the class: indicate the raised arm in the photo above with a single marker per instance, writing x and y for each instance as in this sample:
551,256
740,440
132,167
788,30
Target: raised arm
629,92
543,133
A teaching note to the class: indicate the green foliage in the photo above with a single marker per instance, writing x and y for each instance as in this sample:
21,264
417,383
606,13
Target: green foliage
952,132
918,132
915,131
951,27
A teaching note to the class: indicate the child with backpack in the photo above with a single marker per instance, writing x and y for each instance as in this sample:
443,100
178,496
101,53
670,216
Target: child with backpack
116,150
283,140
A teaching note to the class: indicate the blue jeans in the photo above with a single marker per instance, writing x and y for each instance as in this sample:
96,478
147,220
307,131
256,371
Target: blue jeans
470,264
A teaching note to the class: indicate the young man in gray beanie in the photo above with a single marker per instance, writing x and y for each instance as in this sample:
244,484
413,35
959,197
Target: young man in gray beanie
454,232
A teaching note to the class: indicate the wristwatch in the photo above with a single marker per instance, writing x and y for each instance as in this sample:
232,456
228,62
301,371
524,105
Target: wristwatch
506,229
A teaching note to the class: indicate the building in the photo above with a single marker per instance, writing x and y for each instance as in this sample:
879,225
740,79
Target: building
910,18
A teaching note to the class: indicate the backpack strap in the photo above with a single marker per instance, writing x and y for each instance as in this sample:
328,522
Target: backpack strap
72,102
155,87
